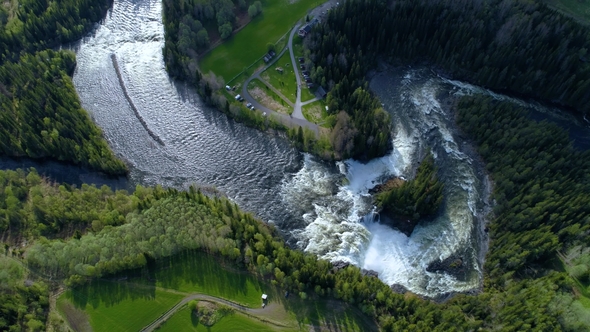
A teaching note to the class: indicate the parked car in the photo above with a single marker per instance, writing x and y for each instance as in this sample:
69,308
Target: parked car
248,105
238,97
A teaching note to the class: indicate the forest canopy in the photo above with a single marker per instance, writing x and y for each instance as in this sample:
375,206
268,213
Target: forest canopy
42,117
518,46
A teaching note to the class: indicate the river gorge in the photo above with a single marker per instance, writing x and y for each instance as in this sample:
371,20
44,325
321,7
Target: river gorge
321,207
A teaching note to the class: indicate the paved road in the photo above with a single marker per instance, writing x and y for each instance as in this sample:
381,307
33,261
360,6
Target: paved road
290,121
297,113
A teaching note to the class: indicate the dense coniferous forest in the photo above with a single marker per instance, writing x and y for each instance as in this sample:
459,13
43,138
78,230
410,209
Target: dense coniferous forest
416,198
39,24
541,184
41,115
518,46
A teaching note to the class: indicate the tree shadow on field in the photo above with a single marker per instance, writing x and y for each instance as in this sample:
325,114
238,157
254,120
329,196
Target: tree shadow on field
204,273
109,292
323,314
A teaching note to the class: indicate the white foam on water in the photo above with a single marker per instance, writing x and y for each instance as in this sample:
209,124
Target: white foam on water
339,223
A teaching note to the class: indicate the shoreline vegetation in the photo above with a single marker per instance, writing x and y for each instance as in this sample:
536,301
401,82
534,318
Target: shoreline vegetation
537,269
361,128
42,116
407,203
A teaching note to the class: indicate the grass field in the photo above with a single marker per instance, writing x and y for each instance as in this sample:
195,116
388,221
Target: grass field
285,82
250,43
111,306
268,98
131,303
316,112
183,320
201,273
578,9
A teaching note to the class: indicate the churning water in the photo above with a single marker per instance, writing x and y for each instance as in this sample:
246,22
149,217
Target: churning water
323,208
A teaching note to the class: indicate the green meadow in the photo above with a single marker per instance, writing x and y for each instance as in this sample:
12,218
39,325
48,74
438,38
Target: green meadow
270,99
285,82
316,112
114,306
250,43
196,272
183,320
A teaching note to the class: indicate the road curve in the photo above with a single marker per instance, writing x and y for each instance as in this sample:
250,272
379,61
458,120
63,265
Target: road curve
290,121
249,311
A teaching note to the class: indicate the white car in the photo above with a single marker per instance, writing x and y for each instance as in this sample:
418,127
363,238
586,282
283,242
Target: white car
249,105
238,97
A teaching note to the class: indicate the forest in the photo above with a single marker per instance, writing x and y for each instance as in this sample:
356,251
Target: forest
42,117
105,233
41,114
414,199
537,267
186,35
516,46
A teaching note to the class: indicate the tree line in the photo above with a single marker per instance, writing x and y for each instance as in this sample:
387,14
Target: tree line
42,116
161,222
540,184
40,24
188,30
517,46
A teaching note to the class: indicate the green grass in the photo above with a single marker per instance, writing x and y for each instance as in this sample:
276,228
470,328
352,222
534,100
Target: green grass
201,273
307,94
578,9
316,112
112,306
272,100
286,82
249,44
183,320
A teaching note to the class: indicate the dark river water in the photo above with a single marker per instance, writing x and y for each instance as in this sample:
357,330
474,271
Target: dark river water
322,208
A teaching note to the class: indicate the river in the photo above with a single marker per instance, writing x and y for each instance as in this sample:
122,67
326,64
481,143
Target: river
323,208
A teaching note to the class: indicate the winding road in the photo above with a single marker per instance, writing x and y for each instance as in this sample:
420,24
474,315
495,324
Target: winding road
256,313
297,118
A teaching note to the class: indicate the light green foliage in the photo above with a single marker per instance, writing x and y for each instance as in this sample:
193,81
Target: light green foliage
22,305
31,206
255,9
